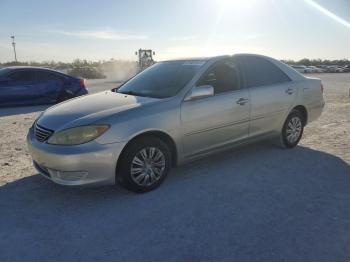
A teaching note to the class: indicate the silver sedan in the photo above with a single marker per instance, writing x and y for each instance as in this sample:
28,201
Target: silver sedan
172,113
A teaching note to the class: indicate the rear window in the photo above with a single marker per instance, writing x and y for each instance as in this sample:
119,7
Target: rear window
261,72
44,76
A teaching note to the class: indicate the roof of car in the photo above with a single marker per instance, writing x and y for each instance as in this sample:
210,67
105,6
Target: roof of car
28,67
33,67
213,57
195,58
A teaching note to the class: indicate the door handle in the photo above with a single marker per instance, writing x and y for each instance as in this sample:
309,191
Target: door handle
289,91
242,101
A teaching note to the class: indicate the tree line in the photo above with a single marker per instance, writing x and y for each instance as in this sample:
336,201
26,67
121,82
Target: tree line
87,63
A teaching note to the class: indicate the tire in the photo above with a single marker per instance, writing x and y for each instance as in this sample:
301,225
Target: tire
292,130
141,167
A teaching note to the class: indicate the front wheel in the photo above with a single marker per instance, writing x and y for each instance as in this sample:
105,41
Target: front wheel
292,130
144,165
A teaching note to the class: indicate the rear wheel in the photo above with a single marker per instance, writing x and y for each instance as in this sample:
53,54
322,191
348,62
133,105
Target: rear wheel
144,164
292,130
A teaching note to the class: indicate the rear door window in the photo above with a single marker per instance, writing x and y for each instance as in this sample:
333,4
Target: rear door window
261,72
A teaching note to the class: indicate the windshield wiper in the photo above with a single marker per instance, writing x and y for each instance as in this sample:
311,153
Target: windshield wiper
130,93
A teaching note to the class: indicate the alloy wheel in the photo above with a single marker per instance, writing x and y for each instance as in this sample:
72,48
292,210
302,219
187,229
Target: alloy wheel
147,166
294,129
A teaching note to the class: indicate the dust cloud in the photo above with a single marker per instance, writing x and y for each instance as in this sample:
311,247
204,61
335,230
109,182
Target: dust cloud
119,70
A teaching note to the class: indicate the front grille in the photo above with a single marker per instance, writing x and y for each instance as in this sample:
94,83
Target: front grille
41,133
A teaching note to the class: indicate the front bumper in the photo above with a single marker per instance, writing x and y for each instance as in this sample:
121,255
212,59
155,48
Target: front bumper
88,164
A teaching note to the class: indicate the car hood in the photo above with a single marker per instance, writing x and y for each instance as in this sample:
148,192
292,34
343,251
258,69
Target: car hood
89,109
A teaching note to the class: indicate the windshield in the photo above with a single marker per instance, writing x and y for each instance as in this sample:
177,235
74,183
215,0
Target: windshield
162,80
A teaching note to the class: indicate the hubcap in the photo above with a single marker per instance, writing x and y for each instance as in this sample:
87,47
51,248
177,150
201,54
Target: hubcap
148,166
294,128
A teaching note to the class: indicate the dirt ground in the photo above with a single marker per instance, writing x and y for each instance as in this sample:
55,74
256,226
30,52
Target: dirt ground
256,203
331,133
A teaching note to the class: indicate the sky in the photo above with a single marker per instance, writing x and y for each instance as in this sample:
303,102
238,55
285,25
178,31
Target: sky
100,30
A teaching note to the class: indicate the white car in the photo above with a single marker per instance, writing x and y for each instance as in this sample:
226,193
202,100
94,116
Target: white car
315,69
301,69
335,69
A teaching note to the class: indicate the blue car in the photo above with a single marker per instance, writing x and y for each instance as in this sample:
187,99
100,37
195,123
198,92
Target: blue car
34,85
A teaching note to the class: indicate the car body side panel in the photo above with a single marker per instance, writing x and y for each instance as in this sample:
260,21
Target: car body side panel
163,116
71,86
43,91
312,98
140,121
269,106
214,121
48,90
269,102
15,93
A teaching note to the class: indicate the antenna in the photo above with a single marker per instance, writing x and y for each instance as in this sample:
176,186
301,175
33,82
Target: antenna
14,47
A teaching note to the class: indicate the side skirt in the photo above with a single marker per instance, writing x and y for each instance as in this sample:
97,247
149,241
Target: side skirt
227,147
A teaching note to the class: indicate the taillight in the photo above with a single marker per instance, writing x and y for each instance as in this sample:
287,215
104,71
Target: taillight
82,83
321,88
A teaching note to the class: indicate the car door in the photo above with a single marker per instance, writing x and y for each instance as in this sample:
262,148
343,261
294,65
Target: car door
18,89
272,94
4,86
48,86
215,121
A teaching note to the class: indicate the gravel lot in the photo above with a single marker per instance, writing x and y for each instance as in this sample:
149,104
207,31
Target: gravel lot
255,203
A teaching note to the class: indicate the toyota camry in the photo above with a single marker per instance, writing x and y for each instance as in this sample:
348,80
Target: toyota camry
171,113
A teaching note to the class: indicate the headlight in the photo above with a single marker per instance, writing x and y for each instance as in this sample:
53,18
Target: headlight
77,135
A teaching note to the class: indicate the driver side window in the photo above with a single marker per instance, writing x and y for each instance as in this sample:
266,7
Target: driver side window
22,76
223,76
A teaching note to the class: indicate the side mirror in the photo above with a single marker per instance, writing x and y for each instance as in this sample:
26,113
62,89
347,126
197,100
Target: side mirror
200,92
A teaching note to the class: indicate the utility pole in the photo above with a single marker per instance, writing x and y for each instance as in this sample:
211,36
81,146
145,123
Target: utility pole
14,47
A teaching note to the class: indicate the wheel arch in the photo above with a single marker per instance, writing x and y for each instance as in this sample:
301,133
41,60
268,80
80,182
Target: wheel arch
302,109
163,136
